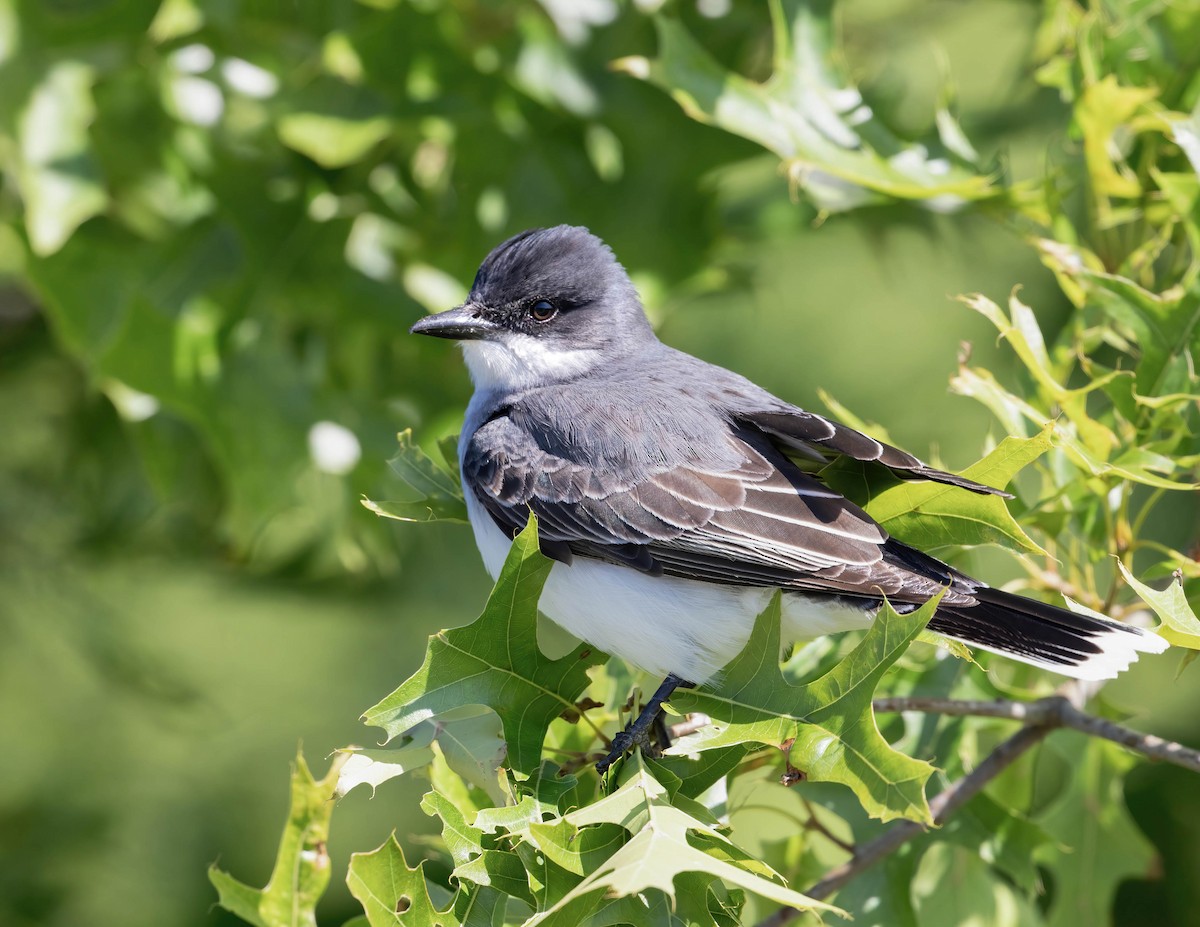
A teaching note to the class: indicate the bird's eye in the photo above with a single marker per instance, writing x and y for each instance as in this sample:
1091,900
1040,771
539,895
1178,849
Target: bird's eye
543,311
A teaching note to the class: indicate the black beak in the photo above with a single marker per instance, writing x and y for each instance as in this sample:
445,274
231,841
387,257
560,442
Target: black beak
462,324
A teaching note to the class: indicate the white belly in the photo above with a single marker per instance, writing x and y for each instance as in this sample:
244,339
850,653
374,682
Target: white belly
661,623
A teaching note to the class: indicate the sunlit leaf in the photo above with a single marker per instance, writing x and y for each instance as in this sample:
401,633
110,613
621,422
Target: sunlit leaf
1105,108
1180,626
59,177
1096,844
831,142
302,866
827,727
374,767
660,848
392,894
1021,330
935,515
334,123
496,662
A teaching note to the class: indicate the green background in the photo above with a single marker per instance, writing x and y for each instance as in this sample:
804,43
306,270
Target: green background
184,597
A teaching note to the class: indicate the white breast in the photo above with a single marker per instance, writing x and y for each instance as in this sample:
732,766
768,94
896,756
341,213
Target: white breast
661,623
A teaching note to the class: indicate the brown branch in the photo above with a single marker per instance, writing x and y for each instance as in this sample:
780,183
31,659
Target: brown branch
814,823
1039,719
1055,711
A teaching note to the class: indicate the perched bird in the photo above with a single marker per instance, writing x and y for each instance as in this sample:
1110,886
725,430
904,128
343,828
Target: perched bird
672,492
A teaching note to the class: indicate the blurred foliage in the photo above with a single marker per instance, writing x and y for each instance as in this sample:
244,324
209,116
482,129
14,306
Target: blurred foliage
217,221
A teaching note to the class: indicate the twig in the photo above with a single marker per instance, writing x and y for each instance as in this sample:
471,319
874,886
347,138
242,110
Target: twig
1054,711
814,823
1039,719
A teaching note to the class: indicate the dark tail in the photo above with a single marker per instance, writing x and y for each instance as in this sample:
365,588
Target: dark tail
1043,635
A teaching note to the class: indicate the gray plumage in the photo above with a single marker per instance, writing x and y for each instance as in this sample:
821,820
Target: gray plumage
636,455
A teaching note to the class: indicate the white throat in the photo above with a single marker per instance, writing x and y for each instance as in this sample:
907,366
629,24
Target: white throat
521,361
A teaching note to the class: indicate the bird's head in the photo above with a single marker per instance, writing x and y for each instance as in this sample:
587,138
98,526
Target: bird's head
547,306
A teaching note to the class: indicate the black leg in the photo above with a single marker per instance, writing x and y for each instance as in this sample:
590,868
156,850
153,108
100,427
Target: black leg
638,733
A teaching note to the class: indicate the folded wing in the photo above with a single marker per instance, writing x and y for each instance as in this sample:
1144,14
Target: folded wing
821,438
762,522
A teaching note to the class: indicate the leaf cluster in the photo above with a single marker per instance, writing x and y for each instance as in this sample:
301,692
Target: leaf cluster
1097,430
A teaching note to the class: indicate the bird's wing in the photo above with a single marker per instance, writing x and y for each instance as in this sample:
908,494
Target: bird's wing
816,436
762,522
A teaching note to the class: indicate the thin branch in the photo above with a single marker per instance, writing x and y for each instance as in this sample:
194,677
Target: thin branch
1039,719
1054,711
814,823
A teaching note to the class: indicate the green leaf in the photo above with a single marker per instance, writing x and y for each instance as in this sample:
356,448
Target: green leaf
373,767
1021,330
811,116
1000,836
438,491
1186,134
496,662
661,847
935,515
302,867
461,839
1105,108
59,179
1179,623
827,726
1167,328
1096,843
953,886
472,742
499,870
392,894
334,123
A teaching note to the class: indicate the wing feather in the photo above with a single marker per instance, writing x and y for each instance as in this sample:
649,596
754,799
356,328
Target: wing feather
760,522
799,431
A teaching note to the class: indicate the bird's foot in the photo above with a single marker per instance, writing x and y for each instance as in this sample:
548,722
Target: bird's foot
625,741
646,728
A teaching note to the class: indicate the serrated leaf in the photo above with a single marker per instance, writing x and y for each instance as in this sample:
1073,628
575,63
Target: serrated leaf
499,870
392,894
302,868
659,849
1020,329
374,767
437,490
474,748
935,515
462,840
808,113
496,662
1179,623
828,725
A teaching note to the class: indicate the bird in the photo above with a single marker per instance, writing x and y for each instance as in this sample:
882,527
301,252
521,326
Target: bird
676,496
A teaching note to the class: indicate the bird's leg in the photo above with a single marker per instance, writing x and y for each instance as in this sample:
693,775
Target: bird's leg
637,733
